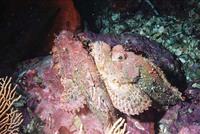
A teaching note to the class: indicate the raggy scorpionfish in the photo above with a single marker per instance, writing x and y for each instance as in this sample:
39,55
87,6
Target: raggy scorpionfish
105,78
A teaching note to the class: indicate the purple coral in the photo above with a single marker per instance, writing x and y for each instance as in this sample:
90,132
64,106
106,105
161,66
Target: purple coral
185,116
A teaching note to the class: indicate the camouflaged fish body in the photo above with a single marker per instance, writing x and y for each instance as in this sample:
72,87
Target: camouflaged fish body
125,96
131,79
80,78
105,78
146,76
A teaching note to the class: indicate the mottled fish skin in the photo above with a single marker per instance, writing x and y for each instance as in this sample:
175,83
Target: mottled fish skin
125,96
146,76
80,77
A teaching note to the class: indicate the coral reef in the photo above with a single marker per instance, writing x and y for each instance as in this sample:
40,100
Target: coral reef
132,80
10,118
184,117
44,90
86,84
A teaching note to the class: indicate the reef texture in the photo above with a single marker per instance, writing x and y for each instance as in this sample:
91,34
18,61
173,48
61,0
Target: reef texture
45,106
184,117
89,81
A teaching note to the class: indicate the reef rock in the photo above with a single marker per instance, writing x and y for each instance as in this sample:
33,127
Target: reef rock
184,117
44,93
89,82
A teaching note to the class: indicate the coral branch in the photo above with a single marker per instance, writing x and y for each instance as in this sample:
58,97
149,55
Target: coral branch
119,127
10,119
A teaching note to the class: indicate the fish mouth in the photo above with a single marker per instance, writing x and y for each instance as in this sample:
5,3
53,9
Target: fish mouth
87,45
